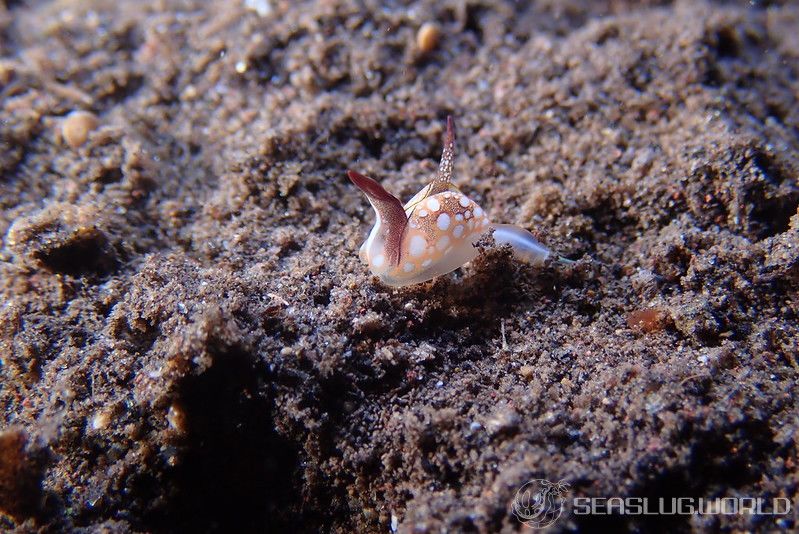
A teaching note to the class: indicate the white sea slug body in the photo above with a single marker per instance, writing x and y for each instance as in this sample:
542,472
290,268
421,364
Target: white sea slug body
433,233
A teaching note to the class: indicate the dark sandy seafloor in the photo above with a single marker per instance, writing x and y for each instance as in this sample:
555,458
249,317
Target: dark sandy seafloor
190,343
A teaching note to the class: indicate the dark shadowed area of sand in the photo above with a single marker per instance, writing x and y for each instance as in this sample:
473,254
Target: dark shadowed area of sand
189,341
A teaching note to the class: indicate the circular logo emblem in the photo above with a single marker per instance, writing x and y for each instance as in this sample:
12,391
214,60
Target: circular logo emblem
539,502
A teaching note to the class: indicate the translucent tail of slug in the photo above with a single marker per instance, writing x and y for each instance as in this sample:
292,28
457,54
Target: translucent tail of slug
525,247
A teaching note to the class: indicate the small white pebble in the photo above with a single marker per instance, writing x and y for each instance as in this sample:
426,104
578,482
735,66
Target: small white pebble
176,417
77,126
262,7
101,420
189,93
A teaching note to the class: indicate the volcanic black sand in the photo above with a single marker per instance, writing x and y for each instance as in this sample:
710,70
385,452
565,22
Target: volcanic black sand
190,343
